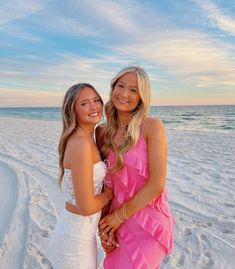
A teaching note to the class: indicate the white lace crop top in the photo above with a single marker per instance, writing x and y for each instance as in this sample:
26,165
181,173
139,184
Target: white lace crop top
99,172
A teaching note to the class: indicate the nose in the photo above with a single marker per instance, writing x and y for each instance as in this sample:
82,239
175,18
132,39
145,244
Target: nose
93,105
124,92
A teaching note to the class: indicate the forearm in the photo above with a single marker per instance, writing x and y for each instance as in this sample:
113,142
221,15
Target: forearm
94,204
142,198
112,221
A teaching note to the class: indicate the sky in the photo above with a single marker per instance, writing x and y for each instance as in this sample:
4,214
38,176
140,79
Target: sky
187,47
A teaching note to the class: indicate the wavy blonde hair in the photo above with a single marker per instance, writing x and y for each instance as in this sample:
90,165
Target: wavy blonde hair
137,116
69,120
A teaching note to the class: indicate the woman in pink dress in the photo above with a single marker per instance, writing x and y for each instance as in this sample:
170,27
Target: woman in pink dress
135,149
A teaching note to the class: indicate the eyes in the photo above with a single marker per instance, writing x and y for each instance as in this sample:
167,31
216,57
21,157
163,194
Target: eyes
121,86
87,102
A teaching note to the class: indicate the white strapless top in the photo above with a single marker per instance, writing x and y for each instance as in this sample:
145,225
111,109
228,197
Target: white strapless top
99,172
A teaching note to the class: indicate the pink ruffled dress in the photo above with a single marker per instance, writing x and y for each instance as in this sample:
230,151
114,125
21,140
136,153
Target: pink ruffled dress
147,236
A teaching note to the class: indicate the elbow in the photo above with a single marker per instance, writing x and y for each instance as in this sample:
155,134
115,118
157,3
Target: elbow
156,191
85,212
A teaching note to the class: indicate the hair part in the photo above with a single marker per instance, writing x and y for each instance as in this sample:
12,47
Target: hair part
69,121
136,118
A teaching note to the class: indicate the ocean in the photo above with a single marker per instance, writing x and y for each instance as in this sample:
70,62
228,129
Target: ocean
194,118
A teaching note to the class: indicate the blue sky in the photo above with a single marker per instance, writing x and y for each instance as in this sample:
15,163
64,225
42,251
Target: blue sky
187,47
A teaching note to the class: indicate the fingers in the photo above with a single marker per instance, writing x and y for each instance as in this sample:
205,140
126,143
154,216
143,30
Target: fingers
102,226
109,246
107,229
104,236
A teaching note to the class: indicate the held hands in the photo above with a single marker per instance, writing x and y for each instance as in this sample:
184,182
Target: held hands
109,242
111,222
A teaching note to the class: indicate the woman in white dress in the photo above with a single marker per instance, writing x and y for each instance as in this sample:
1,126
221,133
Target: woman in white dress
73,241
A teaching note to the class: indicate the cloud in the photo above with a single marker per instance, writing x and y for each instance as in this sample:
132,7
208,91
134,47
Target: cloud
217,17
71,26
14,97
60,72
19,9
111,14
113,34
184,53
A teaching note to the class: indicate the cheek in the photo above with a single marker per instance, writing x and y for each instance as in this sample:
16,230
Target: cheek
137,99
113,95
100,105
115,91
101,109
79,112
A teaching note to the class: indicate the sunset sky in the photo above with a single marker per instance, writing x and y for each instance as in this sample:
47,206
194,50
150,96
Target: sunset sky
187,47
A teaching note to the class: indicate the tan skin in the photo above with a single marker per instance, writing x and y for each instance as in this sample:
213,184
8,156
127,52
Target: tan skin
155,137
82,153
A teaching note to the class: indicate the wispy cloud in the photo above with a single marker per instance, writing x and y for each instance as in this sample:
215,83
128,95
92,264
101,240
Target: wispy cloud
218,18
47,47
117,16
21,98
185,53
19,9
60,72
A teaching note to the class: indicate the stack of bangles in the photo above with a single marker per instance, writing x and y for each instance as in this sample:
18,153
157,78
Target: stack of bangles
124,214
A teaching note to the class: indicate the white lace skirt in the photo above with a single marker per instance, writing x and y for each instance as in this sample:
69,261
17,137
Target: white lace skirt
73,243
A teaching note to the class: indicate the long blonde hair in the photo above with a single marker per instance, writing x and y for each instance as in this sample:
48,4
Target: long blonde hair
69,120
137,116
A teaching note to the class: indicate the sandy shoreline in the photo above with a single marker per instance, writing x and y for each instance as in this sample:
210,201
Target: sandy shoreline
200,182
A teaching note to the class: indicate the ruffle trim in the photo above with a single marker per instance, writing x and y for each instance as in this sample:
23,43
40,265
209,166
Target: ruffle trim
162,233
135,253
125,183
161,230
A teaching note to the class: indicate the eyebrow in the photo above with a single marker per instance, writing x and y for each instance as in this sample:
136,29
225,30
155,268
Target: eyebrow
125,84
83,100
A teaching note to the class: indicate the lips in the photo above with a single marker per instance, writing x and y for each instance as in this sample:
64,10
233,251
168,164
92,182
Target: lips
94,114
122,101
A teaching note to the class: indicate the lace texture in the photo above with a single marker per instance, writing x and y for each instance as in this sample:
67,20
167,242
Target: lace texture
99,172
73,243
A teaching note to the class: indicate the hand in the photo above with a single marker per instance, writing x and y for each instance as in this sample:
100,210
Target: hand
109,224
109,242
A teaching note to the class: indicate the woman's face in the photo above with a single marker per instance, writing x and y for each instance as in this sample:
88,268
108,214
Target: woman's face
88,107
125,95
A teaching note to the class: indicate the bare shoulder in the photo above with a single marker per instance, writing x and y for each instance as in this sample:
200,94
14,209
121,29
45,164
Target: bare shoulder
78,145
154,127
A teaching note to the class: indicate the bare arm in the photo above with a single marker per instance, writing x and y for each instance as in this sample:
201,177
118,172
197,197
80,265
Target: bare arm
81,165
157,161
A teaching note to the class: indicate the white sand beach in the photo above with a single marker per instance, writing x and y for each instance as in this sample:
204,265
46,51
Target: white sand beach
200,182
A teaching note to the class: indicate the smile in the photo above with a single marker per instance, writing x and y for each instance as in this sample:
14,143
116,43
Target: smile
94,114
122,101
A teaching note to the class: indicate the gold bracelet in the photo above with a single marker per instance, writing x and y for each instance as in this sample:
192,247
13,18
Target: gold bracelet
125,216
116,215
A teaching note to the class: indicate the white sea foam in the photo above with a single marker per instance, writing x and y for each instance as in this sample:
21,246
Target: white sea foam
200,182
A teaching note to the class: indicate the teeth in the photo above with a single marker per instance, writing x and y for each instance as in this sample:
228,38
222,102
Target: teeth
94,114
